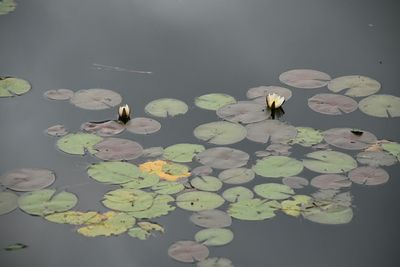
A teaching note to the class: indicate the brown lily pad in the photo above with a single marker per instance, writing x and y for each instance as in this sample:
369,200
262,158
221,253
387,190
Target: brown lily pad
57,130
27,179
244,112
143,126
59,94
188,251
330,181
223,158
106,128
305,78
96,99
369,176
271,130
332,104
346,138
118,149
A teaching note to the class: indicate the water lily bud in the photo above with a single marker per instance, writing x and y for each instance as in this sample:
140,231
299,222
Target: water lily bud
124,113
275,101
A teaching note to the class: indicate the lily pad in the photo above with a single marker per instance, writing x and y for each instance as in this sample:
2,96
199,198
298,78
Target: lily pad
243,112
211,219
236,176
159,208
214,101
7,6
198,200
259,94
107,128
202,170
153,152
188,251
59,94
8,202
346,138
57,130
165,107
296,205
305,78
295,182
182,152
271,130
220,132
117,149
46,201
78,143
166,170
16,246
127,200
237,193
307,136
206,183
13,86
145,230
383,106
223,158
168,188
332,104
273,191
214,236
369,176
143,181
113,172
75,217
96,99
143,126
277,166
252,209
215,262
376,159
357,85
27,179
330,181
326,161
393,148
334,214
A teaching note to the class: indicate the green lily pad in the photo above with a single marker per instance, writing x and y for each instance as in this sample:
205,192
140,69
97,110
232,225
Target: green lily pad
259,94
393,148
165,107
96,99
357,85
220,132
214,101
114,172
206,183
296,205
168,188
16,246
7,6
334,214
383,106
236,175
27,179
277,166
215,262
8,202
237,193
305,78
273,191
376,159
214,236
12,86
74,217
327,161
271,130
223,158
188,251
143,181
182,152
125,199
145,230
211,219
159,208
243,112
252,209
197,201
46,201
307,136
78,143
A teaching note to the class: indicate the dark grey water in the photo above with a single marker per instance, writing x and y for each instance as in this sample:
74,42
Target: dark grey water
192,48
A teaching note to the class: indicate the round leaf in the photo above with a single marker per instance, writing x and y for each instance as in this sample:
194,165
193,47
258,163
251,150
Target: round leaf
27,179
259,94
59,94
307,136
159,208
277,166
117,149
237,193
78,143
251,210
376,159
197,201
243,112
182,152
369,176
56,130
143,126
107,128
295,182
188,251
383,106
330,181
273,191
214,101
332,104
13,86
236,176
214,236
168,188
271,130
206,183
326,161
334,214
357,85
305,78
223,158
96,99
165,107
8,202
220,132
211,219
347,138
113,172
125,199
215,262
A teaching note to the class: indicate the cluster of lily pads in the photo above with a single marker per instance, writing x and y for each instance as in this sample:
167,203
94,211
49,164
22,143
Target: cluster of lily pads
211,181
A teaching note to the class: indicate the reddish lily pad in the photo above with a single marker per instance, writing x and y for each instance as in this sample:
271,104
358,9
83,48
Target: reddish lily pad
332,104
271,130
369,176
375,159
59,94
27,179
347,139
143,126
223,158
107,128
96,99
243,112
202,170
211,219
330,181
118,149
305,78
57,130
188,251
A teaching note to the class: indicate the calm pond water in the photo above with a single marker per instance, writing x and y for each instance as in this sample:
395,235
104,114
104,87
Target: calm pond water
193,48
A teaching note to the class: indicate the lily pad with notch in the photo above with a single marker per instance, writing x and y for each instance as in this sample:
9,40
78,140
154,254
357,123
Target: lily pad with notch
271,130
273,191
214,236
117,149
330,181
188,251
382,106
166,107
27,179
277,166
160,207
114,172
237,193
220,132
211,219
96,99
57,130
295,182
305,78
236,175
356,85
332,104
143,126
106,128
198,201
369,176
347,138
182,152
244,112
59,94
206,183
252,209
10,86
223,158
259,94
8,202
376,159
214,101
78,143
326,161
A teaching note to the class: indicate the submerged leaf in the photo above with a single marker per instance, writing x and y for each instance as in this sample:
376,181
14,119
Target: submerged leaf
165,107
16,246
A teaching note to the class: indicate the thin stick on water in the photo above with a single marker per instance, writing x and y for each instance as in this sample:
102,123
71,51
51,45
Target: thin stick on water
113,68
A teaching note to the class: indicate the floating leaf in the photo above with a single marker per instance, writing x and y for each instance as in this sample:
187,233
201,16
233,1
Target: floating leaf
211,219
166,170
198,200
214,236
168,188
357,85
206,183
182,152
223,158
56,130
236,176
96,99
332,104
113,223
259,94
369,176
296,205
279,149
75,217
243,112
46,201
12,86
7,6
237,193
273,191
126,199
143,126
117,149
153,152
393,148
277,166
202,170
214,101
188,251
307,136
330,181
252,209
165,107
78,143
143,181
295,182
8,202
376,159
305,78
159,208
327,197
16,246
383,106
215,262
27,179
113,172
220,132
145,230
59,94
334,214
344,138
107,128
326,161
271,130
139,233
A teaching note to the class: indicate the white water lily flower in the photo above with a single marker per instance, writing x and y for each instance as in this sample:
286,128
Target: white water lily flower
124,113
275,98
